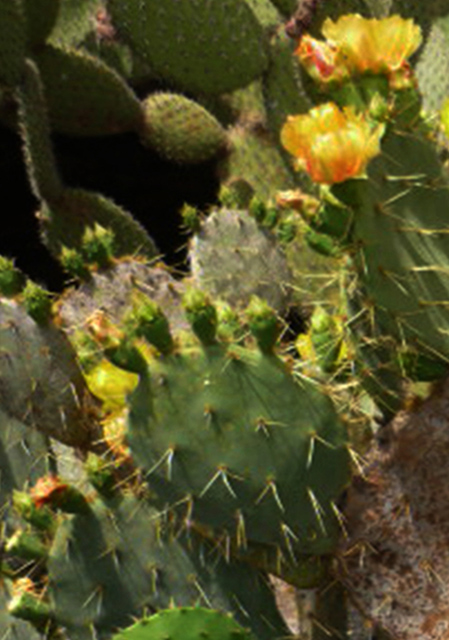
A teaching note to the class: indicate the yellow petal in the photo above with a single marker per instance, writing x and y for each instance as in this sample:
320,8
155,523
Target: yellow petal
320,60
373,45
330,144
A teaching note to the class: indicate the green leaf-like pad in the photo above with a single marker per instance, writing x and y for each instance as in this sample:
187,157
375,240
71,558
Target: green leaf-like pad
206,46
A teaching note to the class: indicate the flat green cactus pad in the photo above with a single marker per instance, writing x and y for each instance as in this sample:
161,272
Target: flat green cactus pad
186,624
85,96
232,258
201,46
180,129
64,222
121,559
41,384
401,235
242,447
12,42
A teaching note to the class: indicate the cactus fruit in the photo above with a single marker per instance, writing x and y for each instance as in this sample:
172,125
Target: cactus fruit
188,623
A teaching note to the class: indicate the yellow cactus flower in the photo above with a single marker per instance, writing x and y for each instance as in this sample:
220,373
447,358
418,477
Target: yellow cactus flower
374,45
320,60
331,144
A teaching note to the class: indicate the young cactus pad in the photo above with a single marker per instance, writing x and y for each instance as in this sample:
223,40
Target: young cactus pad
187,624
230,438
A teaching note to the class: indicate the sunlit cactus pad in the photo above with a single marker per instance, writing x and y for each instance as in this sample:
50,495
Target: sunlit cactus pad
400,231
233,440
186,624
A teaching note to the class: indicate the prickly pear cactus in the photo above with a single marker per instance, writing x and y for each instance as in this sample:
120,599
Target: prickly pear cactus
191,624
108,557
41,385
399,227
233,259
204,47
135,563
228,460
240,445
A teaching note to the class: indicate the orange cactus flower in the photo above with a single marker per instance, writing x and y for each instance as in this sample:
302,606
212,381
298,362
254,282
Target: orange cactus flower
47,489
379,46
331,144
320,59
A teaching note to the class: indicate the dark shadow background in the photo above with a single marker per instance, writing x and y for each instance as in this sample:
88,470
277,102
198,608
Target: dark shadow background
119,167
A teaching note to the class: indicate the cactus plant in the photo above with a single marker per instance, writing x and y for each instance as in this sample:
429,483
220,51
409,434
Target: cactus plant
186,623
206,454
247,498
232,258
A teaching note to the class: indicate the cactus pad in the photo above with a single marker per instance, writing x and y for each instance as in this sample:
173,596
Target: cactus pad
40,382
121,559
400,231
186,624
85,96
205,46
242,447
12,42
180,129
232,258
